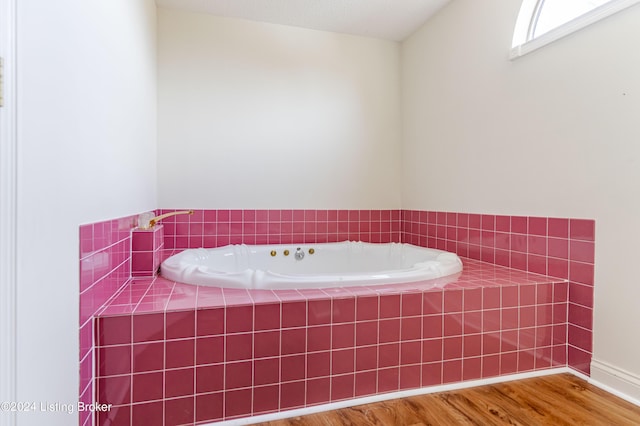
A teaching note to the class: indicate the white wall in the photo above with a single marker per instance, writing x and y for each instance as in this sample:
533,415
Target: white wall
86,136
554,133
254,115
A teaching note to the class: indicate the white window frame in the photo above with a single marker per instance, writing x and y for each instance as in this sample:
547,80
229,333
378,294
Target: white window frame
522,41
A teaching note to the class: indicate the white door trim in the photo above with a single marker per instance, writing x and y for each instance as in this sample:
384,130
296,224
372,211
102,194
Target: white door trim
8,209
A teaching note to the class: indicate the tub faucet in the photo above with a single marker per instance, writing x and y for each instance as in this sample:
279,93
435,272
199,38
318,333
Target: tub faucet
154,220
299,254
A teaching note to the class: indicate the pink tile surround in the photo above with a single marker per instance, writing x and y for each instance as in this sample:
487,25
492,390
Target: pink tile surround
557,247
227,353
563,247
105,267
146,251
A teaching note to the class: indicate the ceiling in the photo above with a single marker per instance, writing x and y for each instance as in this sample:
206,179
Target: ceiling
385,19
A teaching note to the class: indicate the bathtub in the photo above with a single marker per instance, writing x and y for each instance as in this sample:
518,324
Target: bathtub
295,266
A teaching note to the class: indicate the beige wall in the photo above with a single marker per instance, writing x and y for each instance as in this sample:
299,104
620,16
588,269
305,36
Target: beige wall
266,116
553,133
86,141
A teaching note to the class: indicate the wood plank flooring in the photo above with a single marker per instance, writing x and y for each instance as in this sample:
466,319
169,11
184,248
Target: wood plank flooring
561,399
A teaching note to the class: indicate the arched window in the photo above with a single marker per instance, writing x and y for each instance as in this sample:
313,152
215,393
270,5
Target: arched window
542,21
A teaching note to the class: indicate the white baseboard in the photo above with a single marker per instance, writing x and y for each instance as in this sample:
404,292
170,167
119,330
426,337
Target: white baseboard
611,379
616,381
387,396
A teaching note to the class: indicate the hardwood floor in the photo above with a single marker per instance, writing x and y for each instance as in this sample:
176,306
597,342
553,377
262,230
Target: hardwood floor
561,399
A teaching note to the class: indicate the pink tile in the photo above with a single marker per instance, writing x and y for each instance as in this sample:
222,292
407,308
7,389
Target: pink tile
148,413
342,335
410,352
453,301
558,227
389,306
451,371
558,268
149,327
318,364
319,312
432,326
292,395
432,374
410,328
581,294
537,226
519,224
526,360
388,379
366,308
266,344
582,229
114,360
148,356
210,378
472,322
579,360
114,390
266,371
580,316
180,353
472,299
113,330
490,366
239,347
344,310
452,348
147,386
293,341
180,324
366,333
318,338
366,383
343,361
581,273
491,297
510,318
491,320
238,375
294,314
179,382
209,407
411,304
179,411
318,391
544,293
508,363
453,324
527,295
237,403
471,368
388,355
389,330
491,343
209,322
267,316
366,358
582,251
266,399
433,302
239,319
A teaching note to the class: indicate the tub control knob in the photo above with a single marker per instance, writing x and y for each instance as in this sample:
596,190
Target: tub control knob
299,254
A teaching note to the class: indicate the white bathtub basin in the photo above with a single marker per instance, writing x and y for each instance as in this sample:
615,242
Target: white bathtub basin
342,264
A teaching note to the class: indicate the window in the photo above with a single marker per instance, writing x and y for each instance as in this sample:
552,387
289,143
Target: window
541,22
